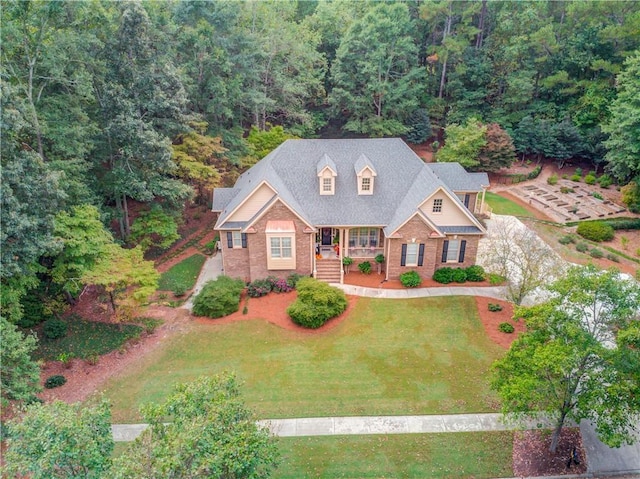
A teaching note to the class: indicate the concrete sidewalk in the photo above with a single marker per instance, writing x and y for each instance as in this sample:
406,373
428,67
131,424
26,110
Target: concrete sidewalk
362,425
211,269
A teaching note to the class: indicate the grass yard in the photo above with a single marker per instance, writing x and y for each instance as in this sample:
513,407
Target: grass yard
418,356
503,206
87,338
460,455
182,276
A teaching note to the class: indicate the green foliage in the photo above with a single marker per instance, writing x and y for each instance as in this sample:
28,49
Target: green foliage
259,287
54,328
347,260
463,143
596,253
443,275
85,338
576,178
567,239
459,275
624,223
611,257
182,275
55,381
566,363
365,267
317,302
475,273
206,415
20,374
419,126
582,247
218,298
495,279
605,181
506,328
553,179
597,195
631,196
566,189
498,152
494,307
263,142
61,441
379,258
597,231
293,278
590,179
410,279
154,228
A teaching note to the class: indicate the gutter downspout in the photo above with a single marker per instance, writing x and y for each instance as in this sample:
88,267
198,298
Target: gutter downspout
341,246
313,254
387,261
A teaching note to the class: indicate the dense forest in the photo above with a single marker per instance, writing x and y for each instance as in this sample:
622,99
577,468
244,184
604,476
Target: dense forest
109,103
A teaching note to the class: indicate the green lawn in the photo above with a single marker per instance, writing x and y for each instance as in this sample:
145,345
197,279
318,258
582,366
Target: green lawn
183,275
87,338
460,455
419,356
503,206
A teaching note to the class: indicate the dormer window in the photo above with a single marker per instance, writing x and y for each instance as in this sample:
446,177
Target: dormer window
327,173
365,174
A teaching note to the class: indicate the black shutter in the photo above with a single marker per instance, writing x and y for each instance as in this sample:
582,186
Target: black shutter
421,254
403,258
445,248
244,240
229,240
463,245
466,200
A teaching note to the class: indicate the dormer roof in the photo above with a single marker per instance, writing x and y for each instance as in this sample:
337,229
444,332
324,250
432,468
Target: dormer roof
364,162
324,163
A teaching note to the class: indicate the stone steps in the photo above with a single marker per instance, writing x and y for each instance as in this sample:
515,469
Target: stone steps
328,271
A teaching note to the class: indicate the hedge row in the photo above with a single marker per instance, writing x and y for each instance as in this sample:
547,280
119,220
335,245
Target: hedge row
459,275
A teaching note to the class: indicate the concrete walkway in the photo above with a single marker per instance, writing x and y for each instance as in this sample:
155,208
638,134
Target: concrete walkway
211,269
497,292
361,425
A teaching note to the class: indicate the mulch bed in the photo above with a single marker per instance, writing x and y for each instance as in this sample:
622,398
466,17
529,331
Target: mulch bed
531,455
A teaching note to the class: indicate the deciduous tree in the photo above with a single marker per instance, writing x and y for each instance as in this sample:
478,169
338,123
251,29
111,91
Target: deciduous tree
19,372
498,152
463,143
578,359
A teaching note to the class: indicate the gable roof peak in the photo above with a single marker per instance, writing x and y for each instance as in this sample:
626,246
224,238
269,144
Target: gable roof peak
363,162
326,162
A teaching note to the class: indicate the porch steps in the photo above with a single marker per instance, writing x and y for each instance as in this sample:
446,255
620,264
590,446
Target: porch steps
328,270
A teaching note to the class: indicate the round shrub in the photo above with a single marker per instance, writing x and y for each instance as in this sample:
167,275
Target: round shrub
576,178
596,253
553,179
494,307
55,381
218,298
582,247
365,267
443,275
179,291
506,328
459,275
566,240
596,231
410,279
317,302
590,179
54,328
475,273
282,286
605,181
613,257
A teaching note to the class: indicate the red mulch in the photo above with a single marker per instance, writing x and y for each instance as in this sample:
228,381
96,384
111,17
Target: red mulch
531,455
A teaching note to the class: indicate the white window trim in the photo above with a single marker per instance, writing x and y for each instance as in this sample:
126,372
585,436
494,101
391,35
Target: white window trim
237,239
275,262
406,257
361,178
438,205
457,250
332,191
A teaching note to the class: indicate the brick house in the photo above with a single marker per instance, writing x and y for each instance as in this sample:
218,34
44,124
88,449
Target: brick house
309,203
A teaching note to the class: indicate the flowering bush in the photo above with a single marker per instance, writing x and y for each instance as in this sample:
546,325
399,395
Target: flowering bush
259,287
282,286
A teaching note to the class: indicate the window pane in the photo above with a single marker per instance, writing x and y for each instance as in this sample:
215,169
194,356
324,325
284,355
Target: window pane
237,239
412,254
437,205
275,247
452,252
286,247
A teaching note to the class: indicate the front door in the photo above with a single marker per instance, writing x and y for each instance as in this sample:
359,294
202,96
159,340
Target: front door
326,236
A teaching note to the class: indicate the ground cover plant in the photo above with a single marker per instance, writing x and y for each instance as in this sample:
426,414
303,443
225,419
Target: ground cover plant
503,206
87,338
373,362
464,454
182,277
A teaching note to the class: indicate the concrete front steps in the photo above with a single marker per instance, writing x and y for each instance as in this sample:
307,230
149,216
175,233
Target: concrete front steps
328,270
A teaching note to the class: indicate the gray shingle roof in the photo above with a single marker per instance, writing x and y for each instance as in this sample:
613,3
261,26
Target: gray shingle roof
459,230
457,178
402,183
221,197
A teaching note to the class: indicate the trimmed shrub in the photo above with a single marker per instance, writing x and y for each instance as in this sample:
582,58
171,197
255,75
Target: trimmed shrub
494,307
553,179
533,174
613,257
365,267
317,302
624,223
506,328
410,279
475,273
595,231
590,179
576,178
219,297
259,287
55,381
578,171
605,181
54,328
459,275
443,275
566,240
582,247
596,253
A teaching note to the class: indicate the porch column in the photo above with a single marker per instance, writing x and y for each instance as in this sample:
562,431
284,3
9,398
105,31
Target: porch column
312,245
341,246
387,243
484,191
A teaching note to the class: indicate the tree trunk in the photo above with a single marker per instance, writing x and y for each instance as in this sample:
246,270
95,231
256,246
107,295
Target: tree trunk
126,217
555,439
445,34
112,300
483,13
120,216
